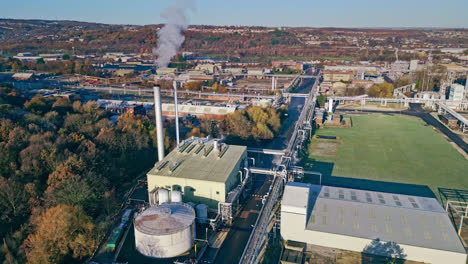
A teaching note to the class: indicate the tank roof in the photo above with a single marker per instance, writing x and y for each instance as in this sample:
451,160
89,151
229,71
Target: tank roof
165,219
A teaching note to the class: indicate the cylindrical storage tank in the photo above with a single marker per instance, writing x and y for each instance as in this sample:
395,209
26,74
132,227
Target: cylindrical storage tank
163,196
165,231
176,197
202,213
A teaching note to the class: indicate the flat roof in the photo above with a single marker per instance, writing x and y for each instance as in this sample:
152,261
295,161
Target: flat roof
409,220
197,159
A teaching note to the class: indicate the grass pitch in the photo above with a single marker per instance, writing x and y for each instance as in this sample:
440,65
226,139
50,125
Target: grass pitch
384,150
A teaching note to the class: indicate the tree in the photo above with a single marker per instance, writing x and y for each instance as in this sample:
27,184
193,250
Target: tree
60,233
15,67
38,104
194,86
321,100
65,57
383,90
13,201
195,132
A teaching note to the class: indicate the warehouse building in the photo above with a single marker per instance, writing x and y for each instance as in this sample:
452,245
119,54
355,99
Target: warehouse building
201,111
417,228
204,170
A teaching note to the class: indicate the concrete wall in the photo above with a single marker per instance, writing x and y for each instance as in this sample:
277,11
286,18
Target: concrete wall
293,228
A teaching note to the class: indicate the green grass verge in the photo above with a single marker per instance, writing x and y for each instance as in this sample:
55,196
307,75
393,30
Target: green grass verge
381,150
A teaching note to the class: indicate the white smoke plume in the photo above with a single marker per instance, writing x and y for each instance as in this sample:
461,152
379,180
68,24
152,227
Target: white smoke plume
170,37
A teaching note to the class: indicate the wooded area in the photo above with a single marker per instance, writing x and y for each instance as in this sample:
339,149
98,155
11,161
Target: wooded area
62,168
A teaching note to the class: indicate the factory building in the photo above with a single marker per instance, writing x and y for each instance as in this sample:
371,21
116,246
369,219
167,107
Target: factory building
200,111
417,228
204,170
456,92
337,76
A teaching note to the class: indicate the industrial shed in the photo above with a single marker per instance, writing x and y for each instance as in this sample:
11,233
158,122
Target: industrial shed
357,220
204,172
201,111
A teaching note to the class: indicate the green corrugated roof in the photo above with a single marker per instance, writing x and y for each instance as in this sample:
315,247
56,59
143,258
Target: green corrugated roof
197,166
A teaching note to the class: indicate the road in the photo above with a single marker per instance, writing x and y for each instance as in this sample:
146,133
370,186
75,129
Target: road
233,247
417,111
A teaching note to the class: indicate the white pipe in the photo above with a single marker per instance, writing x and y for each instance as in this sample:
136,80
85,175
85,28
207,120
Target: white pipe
253,161
159,123
176,112
330,105
246,174
240,176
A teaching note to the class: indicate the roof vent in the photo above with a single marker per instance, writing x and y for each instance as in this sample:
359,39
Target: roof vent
161,165
174,166
199,149
208,150
222,150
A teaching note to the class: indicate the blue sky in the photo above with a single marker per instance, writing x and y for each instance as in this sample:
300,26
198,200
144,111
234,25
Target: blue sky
325,13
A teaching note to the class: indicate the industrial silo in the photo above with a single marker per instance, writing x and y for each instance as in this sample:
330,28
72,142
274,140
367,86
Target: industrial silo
202,213
165,231
163,196
176,197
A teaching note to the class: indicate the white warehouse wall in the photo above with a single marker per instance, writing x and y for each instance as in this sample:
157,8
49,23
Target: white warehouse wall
293,227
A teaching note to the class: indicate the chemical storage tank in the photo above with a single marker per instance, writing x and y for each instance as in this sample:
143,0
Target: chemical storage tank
165,231
163,196
202,213
176,197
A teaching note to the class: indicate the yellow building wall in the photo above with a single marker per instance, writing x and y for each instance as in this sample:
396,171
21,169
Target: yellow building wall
209,193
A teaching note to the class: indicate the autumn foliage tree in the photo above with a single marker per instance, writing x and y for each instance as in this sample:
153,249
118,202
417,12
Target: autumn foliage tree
64,164
255,123
383,90
60,233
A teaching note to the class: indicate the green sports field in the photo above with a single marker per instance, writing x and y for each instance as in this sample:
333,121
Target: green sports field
391,153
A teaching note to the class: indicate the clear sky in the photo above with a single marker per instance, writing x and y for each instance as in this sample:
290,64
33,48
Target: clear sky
325,13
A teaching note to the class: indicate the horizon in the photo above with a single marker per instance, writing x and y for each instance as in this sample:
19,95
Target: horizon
250,26
274,13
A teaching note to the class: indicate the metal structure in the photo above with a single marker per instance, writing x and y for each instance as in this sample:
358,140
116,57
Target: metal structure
143,91
441,104
443,108
460,209
258,237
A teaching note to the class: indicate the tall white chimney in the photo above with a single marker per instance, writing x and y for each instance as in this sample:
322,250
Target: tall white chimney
159,122
215,144
176,112
272,83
